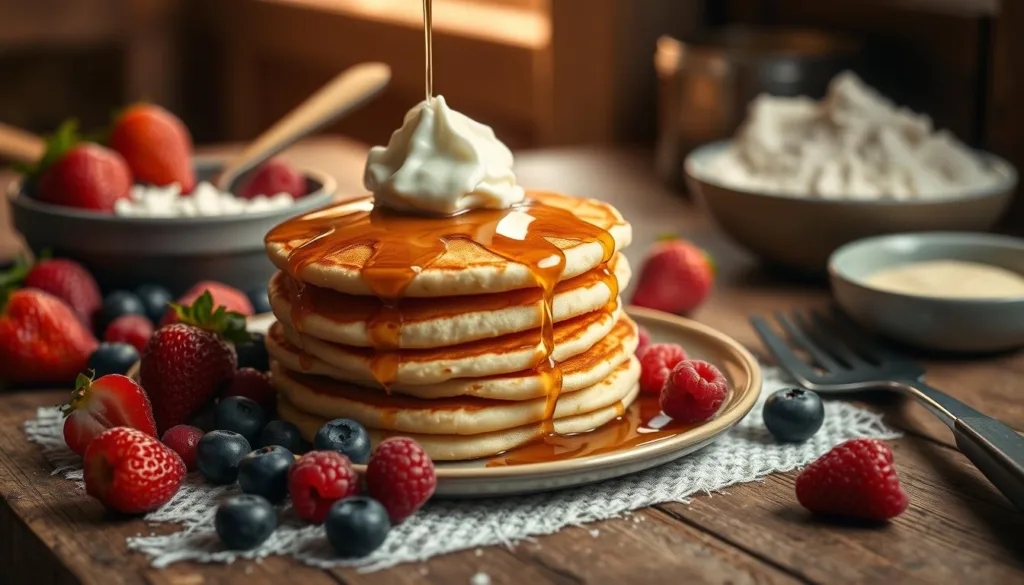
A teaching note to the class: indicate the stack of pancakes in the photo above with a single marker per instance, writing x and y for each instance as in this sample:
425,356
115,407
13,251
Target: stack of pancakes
470,375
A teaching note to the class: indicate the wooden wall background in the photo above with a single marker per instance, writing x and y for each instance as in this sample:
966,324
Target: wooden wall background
542,72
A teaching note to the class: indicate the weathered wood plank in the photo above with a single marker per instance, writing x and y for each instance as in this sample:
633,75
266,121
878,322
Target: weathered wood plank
958,528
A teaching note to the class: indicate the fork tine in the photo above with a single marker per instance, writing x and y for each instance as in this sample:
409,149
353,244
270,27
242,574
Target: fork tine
827,335
777,346
797,335
870,348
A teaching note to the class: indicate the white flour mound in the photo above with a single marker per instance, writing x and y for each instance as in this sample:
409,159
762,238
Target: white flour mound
853,144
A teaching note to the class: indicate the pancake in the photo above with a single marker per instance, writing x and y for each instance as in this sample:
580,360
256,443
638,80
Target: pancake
446,321
465,447
578,372
477,359
445,416
464,266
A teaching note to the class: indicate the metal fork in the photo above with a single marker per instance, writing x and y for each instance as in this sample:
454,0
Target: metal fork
842,358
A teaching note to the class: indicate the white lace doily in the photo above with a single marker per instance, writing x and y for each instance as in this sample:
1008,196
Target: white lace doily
746,453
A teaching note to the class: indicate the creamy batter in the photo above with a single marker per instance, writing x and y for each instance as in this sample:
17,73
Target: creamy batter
953,279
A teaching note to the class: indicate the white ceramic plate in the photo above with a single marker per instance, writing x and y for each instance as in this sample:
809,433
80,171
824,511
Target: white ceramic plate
476,479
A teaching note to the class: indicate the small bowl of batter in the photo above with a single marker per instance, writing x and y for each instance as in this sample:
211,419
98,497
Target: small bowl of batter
948,291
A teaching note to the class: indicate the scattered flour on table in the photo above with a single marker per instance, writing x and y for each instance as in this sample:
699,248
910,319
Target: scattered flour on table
853,144
480,579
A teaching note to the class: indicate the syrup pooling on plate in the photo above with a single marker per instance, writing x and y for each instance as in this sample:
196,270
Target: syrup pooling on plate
402,245
640,424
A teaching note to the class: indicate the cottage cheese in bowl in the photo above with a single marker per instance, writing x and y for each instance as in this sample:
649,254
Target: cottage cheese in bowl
204,201
854,144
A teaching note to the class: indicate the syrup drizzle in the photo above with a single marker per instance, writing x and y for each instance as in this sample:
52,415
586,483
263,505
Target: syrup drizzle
640,424
401,246
428,46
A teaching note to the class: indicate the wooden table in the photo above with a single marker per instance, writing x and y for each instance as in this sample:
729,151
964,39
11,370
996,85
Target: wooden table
958,528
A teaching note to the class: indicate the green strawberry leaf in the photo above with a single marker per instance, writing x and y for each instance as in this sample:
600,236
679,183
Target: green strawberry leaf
202,313
666,238
61,141
711,263
16,274
82,383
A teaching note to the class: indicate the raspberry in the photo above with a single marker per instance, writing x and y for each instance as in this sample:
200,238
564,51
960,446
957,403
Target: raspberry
317,480
644,341
856,479
656,364
400,476
254,385
693,392
131,329
182,439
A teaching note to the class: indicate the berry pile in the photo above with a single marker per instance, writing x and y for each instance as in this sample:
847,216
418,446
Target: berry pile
190,367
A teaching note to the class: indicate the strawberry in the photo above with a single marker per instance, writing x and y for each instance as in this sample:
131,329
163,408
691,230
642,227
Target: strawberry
97,405
41,338
225,296
79,174
273,177
156,145
856,479
65,279
186,364
130,471
132,329
675,278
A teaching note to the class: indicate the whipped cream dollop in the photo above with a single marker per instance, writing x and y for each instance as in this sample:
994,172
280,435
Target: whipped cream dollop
442,162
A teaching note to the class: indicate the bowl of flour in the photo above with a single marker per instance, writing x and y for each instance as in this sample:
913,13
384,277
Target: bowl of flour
803,177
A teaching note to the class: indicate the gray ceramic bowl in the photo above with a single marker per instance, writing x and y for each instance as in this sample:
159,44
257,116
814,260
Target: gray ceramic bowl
933,323
123,252
800,233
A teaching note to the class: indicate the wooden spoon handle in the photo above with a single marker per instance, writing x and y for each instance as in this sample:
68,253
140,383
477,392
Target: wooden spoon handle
349,90
20,146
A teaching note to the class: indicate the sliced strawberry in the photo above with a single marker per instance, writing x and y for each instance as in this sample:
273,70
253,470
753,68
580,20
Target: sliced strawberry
97,405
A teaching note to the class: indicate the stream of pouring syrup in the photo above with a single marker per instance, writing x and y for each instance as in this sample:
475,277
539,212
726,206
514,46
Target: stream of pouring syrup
402,246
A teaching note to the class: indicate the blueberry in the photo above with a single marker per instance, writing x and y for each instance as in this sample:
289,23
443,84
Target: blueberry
253,355
218,454
206,418
117,303
793,415
284,434
259,299
154,298
345,436
264,472
244,522
357,526
241,415
113,358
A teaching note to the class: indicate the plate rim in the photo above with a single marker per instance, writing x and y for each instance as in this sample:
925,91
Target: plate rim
710,430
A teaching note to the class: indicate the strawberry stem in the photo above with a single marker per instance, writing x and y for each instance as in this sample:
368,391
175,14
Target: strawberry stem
203,314
82,384
61,141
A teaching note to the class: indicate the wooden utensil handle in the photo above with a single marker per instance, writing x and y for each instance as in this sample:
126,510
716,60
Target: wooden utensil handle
349,90
20,146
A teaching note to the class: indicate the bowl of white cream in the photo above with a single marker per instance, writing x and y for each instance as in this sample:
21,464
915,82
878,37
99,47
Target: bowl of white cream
947,291
803,177
161,236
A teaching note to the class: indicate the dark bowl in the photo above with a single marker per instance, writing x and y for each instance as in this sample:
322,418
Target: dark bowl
124,252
